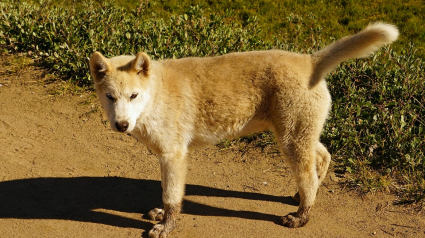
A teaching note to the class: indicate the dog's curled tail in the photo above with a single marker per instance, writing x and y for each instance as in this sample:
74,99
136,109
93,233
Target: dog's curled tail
359,45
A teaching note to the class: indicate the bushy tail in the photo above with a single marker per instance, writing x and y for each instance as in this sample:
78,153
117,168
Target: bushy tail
359,45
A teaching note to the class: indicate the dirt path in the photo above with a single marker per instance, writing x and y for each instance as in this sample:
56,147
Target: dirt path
64,173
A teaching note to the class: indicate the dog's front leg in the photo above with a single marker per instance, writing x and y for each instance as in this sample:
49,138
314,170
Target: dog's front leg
173,172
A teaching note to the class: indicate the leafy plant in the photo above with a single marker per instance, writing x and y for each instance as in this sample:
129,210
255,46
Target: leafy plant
378,120
62,41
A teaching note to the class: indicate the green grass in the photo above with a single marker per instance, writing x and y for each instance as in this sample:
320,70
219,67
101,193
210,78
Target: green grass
375,132
378,120
14,64
334,18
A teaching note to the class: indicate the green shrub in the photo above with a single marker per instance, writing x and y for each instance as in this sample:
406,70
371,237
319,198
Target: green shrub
378,120
62,39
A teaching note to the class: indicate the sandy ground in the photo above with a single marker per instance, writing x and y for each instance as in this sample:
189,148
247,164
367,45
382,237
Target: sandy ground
64,173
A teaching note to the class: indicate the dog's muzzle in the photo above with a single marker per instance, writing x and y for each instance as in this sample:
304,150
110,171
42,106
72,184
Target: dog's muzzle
121,126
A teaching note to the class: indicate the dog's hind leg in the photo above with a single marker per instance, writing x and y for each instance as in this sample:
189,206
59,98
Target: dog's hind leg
173,172
323,159
302,159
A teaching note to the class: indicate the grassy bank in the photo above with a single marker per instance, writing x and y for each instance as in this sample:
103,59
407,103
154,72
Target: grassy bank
376,128
333,18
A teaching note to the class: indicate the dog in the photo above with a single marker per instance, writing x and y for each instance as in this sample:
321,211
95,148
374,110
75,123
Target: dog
175,105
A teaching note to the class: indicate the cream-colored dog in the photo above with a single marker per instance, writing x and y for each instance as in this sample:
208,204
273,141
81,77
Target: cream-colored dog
178,104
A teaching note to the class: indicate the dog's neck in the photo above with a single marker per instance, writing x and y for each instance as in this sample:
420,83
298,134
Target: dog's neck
149,120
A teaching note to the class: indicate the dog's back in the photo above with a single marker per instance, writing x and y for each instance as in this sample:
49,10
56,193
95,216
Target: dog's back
235,94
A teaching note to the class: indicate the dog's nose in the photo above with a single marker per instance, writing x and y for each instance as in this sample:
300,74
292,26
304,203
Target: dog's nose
121,126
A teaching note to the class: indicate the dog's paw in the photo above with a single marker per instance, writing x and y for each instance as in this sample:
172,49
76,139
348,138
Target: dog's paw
156,214
158,231
293,221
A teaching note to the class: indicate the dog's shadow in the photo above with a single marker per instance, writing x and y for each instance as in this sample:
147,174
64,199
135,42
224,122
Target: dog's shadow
79,198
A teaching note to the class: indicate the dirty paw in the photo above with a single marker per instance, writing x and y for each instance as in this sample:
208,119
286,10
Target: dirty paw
293,221
158,231
156,214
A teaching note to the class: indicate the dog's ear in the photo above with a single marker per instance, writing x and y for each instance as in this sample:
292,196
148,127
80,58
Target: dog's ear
99,66
141,64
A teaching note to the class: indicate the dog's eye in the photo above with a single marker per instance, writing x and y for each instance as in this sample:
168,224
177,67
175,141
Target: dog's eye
133,96
110,97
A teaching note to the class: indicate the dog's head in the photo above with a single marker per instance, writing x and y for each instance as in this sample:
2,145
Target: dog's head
122,85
